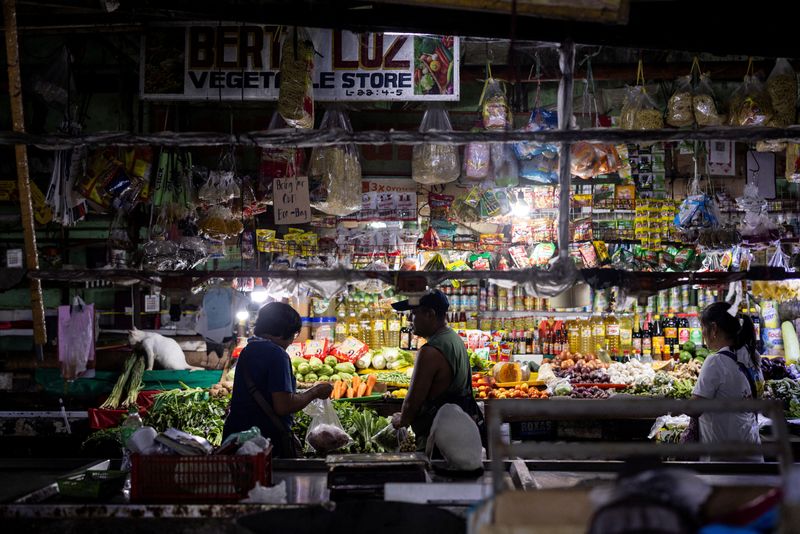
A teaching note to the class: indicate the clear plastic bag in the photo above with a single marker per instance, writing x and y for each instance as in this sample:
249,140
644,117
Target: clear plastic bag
704,105
325,432
680,108
540,119
278,162
334,173
750,104
782,90
495,113
218,222
296,94
506,169
477,161
434,163
639,111
793,162
220,187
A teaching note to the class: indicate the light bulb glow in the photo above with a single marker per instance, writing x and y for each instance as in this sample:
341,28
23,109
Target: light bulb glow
520,208
259,295
242,316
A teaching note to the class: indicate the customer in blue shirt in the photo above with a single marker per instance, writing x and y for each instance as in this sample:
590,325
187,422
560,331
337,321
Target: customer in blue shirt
264,389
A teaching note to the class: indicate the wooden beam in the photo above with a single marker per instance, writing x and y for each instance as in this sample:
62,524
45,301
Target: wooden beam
23,176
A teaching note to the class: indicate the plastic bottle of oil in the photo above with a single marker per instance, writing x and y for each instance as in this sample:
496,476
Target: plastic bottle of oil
598,333
574,335
353,326
626,334
393,330
378,333
586,344
342,325
612,334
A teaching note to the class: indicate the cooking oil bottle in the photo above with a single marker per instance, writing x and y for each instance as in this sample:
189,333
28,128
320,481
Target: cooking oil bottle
342,324
612,334
574,335
626,334
598,334
586,344
393,329
353,326
378,333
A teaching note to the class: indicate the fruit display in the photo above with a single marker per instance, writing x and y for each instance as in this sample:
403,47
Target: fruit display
632,372
776,369
584,372
522,391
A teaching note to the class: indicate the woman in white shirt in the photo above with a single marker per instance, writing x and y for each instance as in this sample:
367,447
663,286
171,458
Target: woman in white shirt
732,372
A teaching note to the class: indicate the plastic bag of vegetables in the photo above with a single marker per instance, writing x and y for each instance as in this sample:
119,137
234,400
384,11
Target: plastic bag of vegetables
334,173
296,94
325,433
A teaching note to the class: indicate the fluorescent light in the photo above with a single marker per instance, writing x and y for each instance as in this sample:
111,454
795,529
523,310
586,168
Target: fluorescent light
259,295
242,315
377,225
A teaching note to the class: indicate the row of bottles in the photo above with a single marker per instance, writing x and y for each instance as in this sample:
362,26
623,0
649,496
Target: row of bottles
491,297
375,326
655,338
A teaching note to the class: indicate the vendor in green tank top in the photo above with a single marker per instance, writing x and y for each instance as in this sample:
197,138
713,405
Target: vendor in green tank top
441,371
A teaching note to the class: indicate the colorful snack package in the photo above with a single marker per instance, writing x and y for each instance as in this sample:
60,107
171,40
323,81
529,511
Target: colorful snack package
588,254
602,252
519,256
542,254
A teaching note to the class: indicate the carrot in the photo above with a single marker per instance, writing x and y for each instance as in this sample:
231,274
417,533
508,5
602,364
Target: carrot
371,379
351,393
361,389
356,382
338,389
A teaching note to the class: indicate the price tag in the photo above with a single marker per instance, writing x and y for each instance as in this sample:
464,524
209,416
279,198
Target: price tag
151,304
14,258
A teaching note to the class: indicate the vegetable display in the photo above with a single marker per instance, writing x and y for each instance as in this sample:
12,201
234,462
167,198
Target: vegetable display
192,410
787,391
128,384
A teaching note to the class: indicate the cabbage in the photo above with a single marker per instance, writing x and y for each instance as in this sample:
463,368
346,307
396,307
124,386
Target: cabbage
325,370
330,360
311,377
345,368
315,364
391,354
335,378
378,361
393,366
364,361
297,360
303,369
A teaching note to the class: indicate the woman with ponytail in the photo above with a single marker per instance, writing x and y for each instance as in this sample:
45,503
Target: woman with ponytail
733,371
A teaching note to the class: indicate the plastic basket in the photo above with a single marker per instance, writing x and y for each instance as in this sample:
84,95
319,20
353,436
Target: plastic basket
216,478
92,484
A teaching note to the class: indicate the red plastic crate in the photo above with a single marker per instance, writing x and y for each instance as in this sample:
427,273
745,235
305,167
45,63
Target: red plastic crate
216,478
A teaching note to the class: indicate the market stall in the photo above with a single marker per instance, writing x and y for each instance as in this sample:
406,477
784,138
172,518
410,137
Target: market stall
577,225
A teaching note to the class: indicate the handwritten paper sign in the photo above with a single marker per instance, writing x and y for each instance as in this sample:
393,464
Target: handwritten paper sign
292,205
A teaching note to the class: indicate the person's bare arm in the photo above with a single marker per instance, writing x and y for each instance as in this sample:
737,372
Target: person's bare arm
428,363
286,403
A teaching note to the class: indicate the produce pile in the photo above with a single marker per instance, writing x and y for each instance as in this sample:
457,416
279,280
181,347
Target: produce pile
787,391
776,369
127,387
192,410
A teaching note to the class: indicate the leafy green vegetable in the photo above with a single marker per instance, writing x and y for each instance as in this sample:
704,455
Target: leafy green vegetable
192,410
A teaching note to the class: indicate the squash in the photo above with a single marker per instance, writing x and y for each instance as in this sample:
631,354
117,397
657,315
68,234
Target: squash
510,372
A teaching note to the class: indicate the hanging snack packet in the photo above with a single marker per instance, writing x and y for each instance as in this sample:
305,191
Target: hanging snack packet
495,112
296,93
703,104
679,108
639,111
750,104
782,89
435,163
540,119
477,161
334,174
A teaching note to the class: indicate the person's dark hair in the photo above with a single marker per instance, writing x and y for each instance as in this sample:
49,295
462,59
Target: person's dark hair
277,319
741,332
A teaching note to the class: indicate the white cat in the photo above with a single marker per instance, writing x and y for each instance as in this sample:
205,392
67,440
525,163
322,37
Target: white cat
161,349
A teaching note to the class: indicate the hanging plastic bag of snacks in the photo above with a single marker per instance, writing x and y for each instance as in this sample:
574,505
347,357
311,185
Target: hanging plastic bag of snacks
221,186
435,163
495,113
334,172
540,119
750,104
504,163
218,222
793,162
278,162
704,105
782,89
296,93
680,112
639,111
477,161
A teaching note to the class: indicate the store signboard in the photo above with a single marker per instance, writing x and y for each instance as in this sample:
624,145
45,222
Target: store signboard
384,199
292,205
235,61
